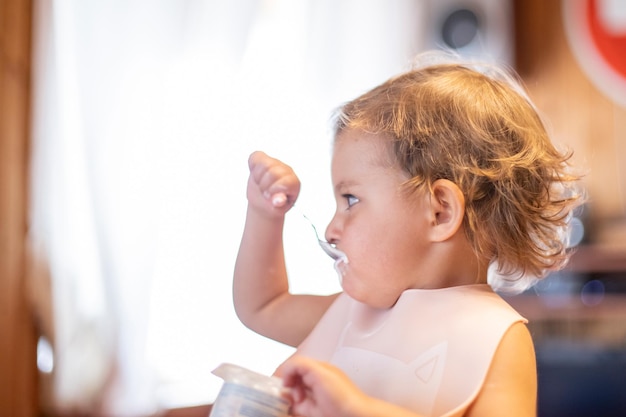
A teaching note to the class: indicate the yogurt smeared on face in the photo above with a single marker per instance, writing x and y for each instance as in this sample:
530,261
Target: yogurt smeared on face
341,265
341,259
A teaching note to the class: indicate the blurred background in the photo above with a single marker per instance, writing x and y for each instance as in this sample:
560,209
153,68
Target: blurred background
125,128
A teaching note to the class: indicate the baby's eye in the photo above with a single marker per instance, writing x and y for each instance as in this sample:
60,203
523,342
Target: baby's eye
352,200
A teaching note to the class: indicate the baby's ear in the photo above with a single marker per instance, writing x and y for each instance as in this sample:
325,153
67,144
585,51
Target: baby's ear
447,206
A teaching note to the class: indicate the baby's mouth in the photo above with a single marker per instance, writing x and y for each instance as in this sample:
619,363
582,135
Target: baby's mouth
332,251
341,259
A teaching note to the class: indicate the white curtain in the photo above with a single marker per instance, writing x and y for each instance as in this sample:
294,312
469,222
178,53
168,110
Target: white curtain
145,112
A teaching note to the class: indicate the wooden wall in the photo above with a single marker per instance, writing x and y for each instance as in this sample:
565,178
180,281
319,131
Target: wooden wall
18,374
578,115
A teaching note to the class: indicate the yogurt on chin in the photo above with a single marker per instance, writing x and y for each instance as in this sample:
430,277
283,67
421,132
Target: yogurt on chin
341,266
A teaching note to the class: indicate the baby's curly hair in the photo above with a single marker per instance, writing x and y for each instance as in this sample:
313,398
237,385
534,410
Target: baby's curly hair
475,126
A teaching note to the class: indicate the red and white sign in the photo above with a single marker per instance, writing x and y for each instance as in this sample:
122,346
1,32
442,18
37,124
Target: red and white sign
596,31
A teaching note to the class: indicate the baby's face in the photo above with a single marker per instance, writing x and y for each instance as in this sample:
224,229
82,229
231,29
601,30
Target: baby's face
375,224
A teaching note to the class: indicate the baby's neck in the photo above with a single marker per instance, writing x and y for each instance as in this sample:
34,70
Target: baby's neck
452,264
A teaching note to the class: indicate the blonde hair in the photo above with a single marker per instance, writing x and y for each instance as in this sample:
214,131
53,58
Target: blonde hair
476,127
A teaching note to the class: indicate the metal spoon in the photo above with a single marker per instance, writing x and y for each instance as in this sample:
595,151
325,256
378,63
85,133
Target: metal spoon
280,199
327,247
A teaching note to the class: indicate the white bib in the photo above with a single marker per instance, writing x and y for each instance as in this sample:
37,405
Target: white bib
429,353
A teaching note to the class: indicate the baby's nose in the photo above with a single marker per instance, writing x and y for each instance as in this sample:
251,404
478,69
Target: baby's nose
333,230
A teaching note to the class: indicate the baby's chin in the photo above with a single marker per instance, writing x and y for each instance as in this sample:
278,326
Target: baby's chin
371,298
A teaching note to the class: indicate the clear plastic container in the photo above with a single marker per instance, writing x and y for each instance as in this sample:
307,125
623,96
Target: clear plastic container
248,394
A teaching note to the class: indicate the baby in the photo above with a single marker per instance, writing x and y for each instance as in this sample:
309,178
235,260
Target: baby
439,174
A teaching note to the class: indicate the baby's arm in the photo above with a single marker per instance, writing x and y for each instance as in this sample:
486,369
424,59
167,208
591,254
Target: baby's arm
511,384
260,287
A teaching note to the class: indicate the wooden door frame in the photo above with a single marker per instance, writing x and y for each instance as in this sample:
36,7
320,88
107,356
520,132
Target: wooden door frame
18,339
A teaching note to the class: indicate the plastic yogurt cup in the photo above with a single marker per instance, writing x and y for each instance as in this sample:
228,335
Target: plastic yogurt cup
248,394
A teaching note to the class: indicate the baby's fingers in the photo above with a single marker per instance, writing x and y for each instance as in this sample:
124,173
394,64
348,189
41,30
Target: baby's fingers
276,181
279,199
